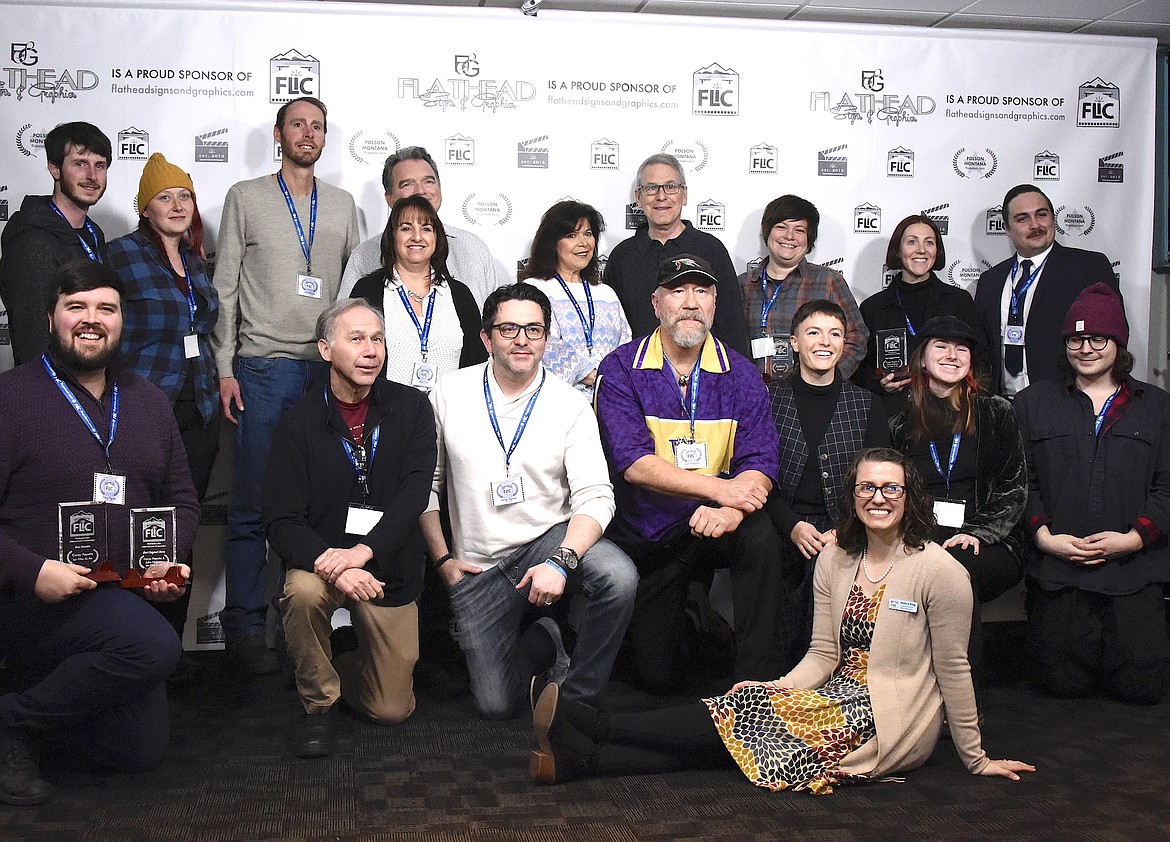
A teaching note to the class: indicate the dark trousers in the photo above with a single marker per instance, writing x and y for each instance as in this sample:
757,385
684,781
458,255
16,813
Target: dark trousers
88,678
764,628
1081,643
662,740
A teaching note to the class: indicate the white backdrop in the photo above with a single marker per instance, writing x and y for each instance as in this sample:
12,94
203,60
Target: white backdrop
869,123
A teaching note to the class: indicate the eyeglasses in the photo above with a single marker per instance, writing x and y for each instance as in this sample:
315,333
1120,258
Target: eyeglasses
509,330
1075,343
670,188
866,490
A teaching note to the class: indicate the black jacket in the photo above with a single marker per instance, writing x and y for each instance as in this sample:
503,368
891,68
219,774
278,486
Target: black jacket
310,484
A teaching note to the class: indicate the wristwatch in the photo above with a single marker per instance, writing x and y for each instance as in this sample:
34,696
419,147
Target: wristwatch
566,558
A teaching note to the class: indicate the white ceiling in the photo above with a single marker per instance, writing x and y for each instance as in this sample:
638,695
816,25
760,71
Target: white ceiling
1150,18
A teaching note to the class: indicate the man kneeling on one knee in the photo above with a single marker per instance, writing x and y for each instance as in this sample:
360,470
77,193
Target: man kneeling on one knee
349,475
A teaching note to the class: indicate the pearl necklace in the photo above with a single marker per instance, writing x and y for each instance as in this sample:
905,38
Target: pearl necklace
865,570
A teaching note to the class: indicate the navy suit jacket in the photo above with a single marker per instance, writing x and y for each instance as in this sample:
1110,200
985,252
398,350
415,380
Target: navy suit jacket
1066,273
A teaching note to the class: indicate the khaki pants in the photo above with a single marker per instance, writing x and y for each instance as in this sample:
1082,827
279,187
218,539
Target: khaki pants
378,678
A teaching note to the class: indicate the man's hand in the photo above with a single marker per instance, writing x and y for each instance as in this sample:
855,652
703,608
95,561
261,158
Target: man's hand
809,541
359,585
58,580
333,562
1105,546
454,569
708,522
165,591
229,390
747,492
547,584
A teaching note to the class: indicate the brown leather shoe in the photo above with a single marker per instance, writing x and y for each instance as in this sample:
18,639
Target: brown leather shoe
542,765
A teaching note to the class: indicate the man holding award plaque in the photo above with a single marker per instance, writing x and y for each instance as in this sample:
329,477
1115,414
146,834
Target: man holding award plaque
96,503
693,454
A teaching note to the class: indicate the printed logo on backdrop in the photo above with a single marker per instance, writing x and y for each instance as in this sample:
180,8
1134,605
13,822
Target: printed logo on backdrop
28,141
865,104
1046,167
867,219
1099,104
277,152
373,147
44,83
1116,266
709,215
466,90
837,264
208,630
466,65
211,147
764,159
888,275
460,151
133,144
974,165
715,91
635,216
872,80
1075,222
603,155
994,224
293,74
3,204
692,156
487,210
1110,170
830,163
900,163
939,217
602,262
520,264
532,154
962,274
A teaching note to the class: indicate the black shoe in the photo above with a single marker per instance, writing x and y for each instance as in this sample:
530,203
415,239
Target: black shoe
20,780
313,735
564,752
186,673
343,639
252,656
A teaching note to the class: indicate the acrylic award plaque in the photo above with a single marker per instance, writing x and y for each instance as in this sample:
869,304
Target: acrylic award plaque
152,543
81,538
892,351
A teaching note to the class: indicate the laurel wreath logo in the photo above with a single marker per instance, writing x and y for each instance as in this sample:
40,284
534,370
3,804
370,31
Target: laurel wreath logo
20,140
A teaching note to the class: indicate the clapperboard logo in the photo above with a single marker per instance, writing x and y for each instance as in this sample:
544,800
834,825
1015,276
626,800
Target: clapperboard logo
1046,167
520,264
603,155
293,74
994,222
460,150
830,163
208,630
709,215
3,204
1099,104
133,144
837,264
209,150
716,91
532,154
1116,271
867,219
764,159
900,163
1110,170
939,217
635,216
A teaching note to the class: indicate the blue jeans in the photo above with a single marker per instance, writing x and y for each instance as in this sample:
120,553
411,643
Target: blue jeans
268,388
488,609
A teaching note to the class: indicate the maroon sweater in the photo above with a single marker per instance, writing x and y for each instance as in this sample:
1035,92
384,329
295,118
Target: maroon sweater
47,456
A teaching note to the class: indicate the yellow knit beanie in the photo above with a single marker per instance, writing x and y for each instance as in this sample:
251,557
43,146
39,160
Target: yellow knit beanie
160,174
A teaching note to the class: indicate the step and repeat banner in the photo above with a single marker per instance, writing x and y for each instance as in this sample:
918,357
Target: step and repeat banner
869,123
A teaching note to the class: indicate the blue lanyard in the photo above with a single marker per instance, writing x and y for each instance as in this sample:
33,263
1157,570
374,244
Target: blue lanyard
766,303
424,329
89,252
898,298
586,328
361,467
1019,295
694,387
306,247
1104,410
950,462
190,289
80,410
491,410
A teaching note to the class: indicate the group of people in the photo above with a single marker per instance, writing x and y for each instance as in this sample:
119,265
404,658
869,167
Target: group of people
868,475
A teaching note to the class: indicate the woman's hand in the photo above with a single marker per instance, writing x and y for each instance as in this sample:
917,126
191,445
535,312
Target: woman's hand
1006,769
739,685
963,541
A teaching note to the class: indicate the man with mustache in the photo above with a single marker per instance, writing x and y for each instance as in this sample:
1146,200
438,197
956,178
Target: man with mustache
1020,303
86,664
49,231
693,454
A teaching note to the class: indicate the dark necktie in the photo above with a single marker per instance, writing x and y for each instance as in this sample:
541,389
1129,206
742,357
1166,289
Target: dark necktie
1013,355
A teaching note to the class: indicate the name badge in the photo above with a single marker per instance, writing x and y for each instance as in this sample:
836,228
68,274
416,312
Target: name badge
690,454
359,520
423,375
765,346
109,488
906,605
191,346
1013,335
505,492
950,513
308,286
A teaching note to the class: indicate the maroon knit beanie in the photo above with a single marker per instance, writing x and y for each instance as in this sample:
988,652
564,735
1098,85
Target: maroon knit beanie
1098,311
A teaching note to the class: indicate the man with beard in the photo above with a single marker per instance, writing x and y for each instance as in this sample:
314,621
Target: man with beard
283,244
693,454
86,664
49,231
